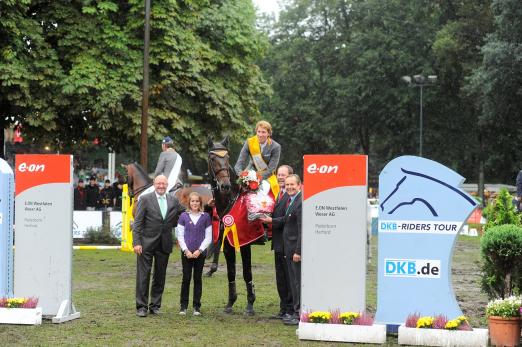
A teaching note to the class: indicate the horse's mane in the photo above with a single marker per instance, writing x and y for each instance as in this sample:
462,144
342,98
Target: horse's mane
141,171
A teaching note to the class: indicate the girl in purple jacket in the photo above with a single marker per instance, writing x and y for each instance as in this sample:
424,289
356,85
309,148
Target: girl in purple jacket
194,236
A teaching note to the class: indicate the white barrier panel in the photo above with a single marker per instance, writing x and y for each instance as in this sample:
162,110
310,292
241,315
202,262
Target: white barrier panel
84,220
116,220
6,229
43,257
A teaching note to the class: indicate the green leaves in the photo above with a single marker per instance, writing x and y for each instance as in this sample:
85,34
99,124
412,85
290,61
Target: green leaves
501,249
84,68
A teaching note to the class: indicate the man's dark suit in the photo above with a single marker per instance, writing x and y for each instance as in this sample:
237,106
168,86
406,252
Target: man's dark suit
154,234
292,245
281,270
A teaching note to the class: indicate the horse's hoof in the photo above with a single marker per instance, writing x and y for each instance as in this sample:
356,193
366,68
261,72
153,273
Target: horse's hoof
211,271
249,311
227,310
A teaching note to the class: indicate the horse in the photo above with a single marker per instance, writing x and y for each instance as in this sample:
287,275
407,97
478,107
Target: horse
138,181
226,191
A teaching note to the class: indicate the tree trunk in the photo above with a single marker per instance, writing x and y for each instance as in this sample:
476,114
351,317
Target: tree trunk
2,137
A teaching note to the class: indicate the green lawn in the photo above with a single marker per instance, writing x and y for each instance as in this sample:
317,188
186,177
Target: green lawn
104,294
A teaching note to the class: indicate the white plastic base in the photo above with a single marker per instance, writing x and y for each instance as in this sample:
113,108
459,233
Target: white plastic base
441,337
66,312
32,316
342,333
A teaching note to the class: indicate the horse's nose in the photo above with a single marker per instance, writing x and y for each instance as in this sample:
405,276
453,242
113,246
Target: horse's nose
226,187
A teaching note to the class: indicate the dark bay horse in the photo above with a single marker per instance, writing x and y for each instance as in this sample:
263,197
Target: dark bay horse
225,191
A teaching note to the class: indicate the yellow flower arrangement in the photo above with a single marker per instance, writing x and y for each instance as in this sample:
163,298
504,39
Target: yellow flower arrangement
425,322
454,324
320,317
348,317
15,302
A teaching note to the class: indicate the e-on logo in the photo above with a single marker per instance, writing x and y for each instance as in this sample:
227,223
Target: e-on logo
419,268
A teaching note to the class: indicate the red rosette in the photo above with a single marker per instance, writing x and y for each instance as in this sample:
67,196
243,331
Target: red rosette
228,220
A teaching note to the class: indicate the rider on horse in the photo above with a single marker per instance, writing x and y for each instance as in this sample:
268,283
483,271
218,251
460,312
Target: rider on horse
261,152
169,163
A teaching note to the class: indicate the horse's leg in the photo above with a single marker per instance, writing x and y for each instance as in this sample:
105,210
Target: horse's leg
246,259
215,259
230,257
215,249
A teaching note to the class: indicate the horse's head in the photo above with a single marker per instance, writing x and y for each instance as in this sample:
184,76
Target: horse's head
129,169
137,178
219,165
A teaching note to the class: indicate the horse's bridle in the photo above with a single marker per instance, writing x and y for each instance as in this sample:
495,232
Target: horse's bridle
220,152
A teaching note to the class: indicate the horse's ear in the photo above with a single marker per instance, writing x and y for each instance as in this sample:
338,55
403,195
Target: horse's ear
210,143
225,141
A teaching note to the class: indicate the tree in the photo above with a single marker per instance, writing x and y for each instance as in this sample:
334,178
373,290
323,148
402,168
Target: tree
335,68
29,70
204,78
497,85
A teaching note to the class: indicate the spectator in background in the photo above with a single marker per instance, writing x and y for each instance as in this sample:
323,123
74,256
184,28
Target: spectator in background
106,201
118,190
92,194
80,196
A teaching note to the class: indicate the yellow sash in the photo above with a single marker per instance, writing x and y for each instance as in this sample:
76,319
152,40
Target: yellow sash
255,152
235,237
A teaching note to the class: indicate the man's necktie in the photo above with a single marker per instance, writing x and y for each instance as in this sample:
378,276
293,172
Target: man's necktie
163,206
288,203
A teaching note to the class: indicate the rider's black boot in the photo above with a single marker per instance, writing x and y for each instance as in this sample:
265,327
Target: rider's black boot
251,297
232,297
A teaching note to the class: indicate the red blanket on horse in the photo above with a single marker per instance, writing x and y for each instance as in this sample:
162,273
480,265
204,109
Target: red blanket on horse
237,224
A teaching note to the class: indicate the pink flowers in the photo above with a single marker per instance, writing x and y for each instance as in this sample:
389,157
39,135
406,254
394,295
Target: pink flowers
18,302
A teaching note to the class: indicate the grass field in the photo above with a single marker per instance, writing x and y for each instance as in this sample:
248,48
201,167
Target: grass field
104,294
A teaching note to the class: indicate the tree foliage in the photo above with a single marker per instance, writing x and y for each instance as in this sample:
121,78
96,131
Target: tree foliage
497,87
85,63
336,66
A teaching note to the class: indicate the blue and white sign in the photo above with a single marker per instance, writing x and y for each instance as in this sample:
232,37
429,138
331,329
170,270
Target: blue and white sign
421,212
6,229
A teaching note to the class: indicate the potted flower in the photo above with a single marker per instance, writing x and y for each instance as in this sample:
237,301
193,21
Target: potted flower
440,331
504,321
20,311
343,327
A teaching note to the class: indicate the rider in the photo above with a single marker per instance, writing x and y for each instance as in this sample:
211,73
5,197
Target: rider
169,163
261,152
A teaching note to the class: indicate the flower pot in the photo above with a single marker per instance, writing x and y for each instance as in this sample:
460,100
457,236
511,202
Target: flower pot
342,333
442,337
504,331
31,316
